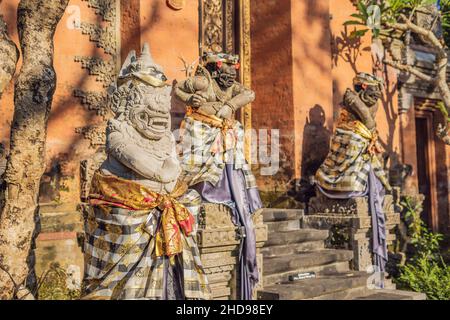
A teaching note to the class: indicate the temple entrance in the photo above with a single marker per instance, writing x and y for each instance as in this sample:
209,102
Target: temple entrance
427,164
423,172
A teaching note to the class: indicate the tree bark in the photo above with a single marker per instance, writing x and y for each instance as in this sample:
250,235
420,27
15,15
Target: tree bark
440,79
34,89
9,54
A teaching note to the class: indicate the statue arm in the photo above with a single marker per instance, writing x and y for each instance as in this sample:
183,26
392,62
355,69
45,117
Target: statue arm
241,97
357,106
181,93
186,89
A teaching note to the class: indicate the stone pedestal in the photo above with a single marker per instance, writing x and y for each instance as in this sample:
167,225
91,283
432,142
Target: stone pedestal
218,241
349,222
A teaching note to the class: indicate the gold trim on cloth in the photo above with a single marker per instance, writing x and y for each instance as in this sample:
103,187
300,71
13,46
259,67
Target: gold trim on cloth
226,126
211,120
346,122
126,194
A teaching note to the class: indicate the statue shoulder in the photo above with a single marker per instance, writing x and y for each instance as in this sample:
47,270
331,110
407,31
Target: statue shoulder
114,125
239,88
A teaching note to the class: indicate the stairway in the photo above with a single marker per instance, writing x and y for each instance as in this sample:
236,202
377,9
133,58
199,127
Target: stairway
291,249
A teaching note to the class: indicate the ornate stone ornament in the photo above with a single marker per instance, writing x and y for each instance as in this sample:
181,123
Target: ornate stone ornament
176,4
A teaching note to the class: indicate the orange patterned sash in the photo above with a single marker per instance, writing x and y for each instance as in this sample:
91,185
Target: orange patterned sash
116,192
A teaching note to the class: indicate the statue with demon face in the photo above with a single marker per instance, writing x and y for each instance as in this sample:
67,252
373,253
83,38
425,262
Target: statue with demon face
212,156
353,167
140,228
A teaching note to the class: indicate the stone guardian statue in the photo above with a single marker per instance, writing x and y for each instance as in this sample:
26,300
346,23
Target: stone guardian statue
212,144
140,227
352,167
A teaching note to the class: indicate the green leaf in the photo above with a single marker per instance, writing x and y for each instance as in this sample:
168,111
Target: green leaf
363,9
357,16
353,23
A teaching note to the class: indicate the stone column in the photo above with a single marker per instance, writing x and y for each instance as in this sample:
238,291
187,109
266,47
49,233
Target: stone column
218,241
350,223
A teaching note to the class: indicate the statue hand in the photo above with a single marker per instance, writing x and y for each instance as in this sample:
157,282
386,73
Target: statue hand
349,97
225,112
170,170
197,100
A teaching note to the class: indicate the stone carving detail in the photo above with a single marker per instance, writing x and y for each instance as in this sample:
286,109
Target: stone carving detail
104,34
104,8
351,216
95,134
87,170
212,26
103,70
176,4
218,242
229,25
104,37
93,101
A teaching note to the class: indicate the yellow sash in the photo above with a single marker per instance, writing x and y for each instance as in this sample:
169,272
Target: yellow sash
117,192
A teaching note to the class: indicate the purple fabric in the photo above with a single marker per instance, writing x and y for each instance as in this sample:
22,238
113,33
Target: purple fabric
379,245
375,191
231,191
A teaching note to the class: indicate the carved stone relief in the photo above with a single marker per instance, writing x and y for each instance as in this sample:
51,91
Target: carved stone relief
218,241
105,35
352,218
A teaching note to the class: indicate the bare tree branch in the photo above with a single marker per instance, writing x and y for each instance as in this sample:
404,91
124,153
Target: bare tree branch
409,69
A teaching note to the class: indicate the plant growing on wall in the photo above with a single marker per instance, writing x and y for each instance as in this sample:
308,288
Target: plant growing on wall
389,19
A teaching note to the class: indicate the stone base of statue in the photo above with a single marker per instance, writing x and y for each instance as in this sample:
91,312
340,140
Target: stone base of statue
349,222
218,241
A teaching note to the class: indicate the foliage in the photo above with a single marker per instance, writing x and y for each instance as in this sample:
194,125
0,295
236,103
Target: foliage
388,12
396,18
426,271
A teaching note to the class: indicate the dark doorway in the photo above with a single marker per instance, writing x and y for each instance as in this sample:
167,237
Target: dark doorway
423,172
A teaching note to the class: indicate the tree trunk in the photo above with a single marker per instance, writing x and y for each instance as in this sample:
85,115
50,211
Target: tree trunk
9,54
34,89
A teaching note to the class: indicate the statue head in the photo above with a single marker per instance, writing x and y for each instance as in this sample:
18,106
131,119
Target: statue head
368,87
141,96
222,67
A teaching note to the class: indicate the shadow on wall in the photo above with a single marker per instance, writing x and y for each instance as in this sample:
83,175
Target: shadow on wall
316,141
347,49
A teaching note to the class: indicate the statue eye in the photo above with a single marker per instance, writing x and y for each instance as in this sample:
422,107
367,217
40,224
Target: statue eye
143,116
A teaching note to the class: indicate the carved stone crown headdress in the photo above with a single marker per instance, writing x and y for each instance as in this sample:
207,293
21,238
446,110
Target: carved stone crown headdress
212,57
139,78
368,79
142,68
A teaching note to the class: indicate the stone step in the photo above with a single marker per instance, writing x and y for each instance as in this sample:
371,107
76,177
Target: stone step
332,268
61,221
271,215
285,249
386,294
295,236
305,260
313,288
287,225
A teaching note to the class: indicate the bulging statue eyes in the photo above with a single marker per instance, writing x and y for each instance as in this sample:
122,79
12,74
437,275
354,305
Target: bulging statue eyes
143,116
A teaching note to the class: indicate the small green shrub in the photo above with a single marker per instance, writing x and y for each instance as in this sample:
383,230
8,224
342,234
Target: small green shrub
426,270
428,276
